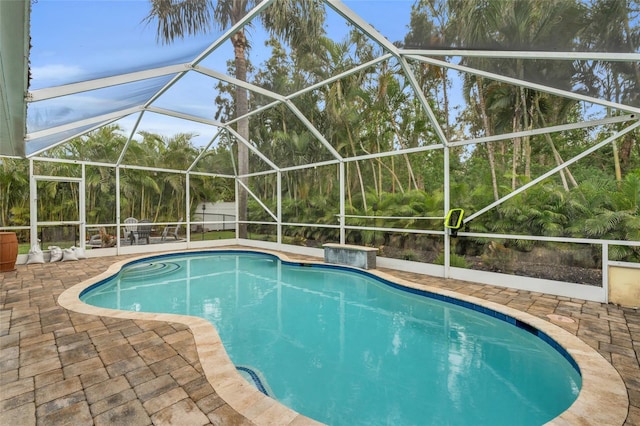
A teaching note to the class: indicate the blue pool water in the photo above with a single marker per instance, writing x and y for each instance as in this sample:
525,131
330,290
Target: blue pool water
346,348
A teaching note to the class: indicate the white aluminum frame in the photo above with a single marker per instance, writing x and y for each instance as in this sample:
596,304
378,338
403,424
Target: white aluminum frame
402,56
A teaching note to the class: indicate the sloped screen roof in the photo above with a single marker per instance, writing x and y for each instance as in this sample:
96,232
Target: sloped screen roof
94,63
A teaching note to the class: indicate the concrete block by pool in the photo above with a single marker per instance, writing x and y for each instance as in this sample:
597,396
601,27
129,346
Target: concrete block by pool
350,255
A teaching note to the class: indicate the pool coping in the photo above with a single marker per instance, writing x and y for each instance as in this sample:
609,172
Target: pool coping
602,386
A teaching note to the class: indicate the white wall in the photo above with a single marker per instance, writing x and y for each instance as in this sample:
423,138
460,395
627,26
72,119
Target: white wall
215,212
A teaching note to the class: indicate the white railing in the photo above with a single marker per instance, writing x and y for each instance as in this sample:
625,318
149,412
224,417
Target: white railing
567,289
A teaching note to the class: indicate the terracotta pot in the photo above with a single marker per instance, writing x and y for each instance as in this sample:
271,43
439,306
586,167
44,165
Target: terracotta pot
8,251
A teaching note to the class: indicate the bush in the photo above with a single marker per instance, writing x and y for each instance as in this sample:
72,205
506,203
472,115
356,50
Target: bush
454,260
410,255
498,258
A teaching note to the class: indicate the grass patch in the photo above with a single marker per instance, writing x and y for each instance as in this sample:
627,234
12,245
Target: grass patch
23,248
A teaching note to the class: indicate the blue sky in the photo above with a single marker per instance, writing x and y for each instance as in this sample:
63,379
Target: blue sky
78,40
79,37
90,38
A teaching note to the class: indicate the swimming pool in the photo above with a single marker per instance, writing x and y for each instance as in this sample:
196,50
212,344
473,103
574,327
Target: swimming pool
346,347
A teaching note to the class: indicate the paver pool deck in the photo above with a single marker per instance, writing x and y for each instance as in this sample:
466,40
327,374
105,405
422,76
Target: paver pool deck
63,367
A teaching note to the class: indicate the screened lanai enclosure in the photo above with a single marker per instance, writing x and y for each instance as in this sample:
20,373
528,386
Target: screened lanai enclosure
289,124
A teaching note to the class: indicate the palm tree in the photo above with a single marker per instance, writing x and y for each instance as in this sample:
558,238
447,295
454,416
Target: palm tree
561,108
474,92
296,21
617,217
14,192
516,25
427,29
612,27
103,144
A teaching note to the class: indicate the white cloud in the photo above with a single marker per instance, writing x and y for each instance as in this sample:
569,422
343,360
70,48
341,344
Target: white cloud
56,73
169,127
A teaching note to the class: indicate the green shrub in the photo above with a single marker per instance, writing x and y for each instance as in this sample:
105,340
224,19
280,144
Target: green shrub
498,258
454,260
410,255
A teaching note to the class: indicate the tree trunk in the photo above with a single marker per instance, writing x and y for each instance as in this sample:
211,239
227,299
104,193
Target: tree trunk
488,132
347,183
411,177
445,100
616,162
393,170
394,177
515,154
142,198
159,204
525,140
242,108
556,154
360,180
626,148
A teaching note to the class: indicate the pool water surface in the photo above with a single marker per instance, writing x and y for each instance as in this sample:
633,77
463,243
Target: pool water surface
345,347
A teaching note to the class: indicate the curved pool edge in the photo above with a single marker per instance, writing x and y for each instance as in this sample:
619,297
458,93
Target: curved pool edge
603,398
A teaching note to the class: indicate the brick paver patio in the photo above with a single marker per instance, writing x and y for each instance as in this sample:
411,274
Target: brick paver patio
62,367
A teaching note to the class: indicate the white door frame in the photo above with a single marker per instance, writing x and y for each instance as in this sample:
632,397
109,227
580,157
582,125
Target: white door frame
33,203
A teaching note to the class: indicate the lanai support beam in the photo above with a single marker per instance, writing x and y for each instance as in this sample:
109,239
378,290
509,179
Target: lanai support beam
530,85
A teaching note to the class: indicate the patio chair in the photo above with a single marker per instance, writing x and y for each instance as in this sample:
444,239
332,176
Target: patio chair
143,232
130,229
95,241
172,230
